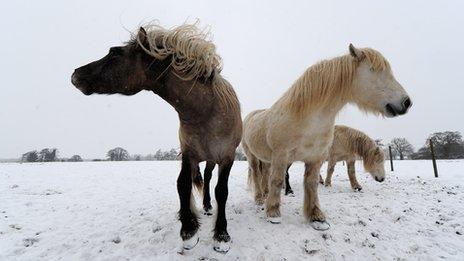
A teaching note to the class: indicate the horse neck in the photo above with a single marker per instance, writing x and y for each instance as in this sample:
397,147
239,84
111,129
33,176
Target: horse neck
362,146
192,99
321,92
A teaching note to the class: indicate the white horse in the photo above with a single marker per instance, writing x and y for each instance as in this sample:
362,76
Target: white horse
300,125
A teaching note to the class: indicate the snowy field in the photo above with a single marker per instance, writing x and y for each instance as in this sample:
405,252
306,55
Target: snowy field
127,211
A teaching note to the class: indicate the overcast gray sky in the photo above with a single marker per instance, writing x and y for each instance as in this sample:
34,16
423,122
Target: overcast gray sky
265,46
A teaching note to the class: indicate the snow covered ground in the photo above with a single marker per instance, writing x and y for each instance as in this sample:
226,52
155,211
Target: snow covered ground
127,211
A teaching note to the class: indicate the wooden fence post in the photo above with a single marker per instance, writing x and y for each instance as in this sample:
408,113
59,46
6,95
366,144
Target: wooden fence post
435,170
391,158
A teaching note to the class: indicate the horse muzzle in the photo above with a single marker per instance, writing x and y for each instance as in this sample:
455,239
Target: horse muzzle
393,110
80,83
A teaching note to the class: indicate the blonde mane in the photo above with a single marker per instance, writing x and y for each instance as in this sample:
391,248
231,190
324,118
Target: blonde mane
192,53
193,56
328,82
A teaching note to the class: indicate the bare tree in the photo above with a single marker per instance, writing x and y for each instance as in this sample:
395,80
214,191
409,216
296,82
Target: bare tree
402,147
118,154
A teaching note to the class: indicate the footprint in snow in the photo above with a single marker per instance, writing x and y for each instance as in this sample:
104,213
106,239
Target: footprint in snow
16,226
156,229
116,240
51,192
27,242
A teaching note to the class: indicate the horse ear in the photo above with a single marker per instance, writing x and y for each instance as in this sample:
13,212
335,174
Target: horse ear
142,37
357,54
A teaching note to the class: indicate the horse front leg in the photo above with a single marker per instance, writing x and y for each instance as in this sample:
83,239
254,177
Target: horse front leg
276,181
352,176
311,208
221,236
187,215
207,208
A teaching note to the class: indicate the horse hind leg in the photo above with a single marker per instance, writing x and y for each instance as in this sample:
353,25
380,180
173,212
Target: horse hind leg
197,180
278,166
254,175
288,188
207,208
265,169
330,170
187,215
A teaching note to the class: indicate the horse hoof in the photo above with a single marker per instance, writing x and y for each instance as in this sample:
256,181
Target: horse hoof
208,212
221,246
320,225
275,220
190,243
357,188
290,193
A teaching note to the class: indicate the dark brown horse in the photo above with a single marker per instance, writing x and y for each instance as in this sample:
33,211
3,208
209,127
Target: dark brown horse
182,67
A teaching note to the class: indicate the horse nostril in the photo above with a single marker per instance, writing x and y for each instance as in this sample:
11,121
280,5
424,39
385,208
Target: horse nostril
407,103
391,110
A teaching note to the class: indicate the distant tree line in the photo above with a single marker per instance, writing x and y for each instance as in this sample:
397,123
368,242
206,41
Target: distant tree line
120,154
447,144
171,154
45,155
175,154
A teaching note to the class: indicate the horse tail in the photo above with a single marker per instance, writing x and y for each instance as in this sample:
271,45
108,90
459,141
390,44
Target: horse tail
251,180
197,180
